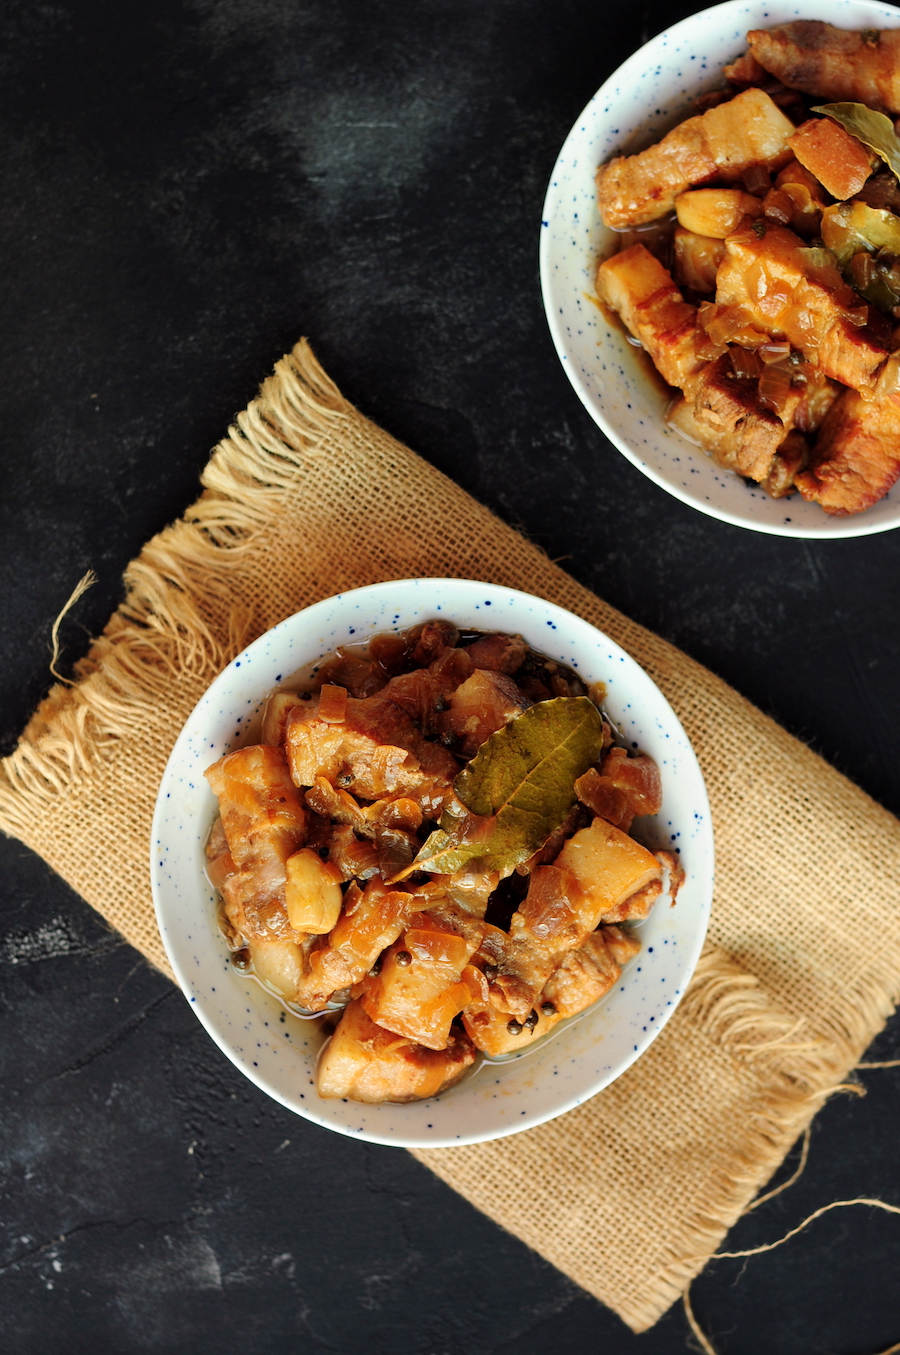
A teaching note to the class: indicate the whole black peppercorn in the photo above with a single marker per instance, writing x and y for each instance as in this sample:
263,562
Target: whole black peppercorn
514,1027
404,958
531,1020
241,959
548,1009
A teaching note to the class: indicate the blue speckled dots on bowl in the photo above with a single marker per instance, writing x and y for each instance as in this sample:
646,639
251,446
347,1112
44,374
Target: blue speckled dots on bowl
277,1050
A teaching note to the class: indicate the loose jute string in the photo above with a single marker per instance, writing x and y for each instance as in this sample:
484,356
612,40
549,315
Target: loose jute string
631,1192
84,583
694,1325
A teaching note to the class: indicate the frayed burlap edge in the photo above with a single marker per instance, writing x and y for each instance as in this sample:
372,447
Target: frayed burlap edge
162,632
795,1074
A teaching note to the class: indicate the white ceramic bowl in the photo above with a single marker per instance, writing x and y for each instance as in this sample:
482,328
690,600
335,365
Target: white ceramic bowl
645,97
277,1051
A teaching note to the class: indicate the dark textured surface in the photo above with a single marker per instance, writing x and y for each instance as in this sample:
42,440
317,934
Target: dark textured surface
188,187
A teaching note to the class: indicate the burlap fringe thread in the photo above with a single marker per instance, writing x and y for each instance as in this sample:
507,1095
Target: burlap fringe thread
178,627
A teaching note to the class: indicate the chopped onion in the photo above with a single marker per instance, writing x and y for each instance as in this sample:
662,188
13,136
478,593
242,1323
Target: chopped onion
819,262
779,207
862,270
333,704
889,381
757,180
807,325
776,350
744,363
774,388
723,323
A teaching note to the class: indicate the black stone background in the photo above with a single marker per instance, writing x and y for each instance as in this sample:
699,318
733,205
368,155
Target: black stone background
189,186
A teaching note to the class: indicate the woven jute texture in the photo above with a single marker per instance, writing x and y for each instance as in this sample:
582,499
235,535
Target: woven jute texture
631,1192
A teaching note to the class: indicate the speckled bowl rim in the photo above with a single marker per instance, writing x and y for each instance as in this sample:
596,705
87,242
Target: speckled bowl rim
248,1024
605,371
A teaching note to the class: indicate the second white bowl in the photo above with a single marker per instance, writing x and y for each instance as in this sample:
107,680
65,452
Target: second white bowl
650,93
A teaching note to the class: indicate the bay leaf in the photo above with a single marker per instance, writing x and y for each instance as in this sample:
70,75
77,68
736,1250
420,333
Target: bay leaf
523,779
873,129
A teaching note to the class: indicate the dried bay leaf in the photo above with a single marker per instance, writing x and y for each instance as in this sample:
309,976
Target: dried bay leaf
534,760
520,785
873,129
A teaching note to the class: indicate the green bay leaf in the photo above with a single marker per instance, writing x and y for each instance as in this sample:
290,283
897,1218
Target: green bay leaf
873,129
523,778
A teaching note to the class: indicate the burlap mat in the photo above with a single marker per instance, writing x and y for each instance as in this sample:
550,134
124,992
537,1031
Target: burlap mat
628,1193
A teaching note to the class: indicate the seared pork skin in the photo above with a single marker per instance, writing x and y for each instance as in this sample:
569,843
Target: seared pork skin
720,144
856,458
769,274
721,411
643,293
831,63
262,823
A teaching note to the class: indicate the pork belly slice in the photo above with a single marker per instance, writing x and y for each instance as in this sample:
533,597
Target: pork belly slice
770,276
480,706
500,653
791,458
623,788
608,866
726,419
580,978
586,974
637,906
369,745
856,457
720,144
639,289
832,63
263,823
363,1062
371,920
260,809
423,982
837,160
598,869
